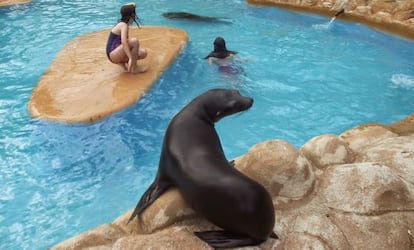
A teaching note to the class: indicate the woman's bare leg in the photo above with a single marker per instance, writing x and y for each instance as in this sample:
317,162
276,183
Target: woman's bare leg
142,53
119,56
138,53
132,63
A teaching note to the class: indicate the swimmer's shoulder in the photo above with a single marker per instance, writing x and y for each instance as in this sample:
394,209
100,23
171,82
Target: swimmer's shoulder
118,28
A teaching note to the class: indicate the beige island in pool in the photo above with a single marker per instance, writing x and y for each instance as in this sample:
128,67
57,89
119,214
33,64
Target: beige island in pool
82,85
12,2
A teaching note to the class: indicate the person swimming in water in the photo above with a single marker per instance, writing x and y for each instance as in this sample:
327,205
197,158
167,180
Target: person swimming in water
223,58
121,49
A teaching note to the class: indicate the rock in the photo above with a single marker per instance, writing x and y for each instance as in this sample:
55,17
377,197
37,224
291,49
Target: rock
365,189
327,4
281,169
404,15
310,2
298,241
362,136
363,10
403,127
162,213
176,238
383,6
388,231
315,231
101,237
395,152
326,150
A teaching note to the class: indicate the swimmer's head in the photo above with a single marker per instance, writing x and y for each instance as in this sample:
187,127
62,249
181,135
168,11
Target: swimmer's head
220,45
220,50
128,13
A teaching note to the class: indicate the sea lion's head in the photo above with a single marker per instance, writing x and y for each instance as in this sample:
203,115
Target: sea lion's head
219,103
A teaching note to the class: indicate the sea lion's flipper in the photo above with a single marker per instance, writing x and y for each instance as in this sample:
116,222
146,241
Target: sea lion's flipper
273,235
227,239
154,191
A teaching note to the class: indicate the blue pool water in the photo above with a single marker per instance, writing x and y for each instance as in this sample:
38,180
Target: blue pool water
57,180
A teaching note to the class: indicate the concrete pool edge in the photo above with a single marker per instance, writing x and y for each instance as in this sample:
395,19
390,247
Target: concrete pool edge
382,19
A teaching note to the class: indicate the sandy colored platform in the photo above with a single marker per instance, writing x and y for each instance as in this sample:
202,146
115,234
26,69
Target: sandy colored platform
82,85
12,2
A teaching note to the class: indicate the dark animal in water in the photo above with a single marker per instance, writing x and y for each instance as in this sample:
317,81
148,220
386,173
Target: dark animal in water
193,17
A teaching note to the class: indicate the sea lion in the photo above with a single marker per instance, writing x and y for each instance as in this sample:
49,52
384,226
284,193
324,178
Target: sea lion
193,17
192,159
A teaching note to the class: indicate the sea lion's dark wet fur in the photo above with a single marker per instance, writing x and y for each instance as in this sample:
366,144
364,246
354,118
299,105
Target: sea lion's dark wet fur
193,17
192,159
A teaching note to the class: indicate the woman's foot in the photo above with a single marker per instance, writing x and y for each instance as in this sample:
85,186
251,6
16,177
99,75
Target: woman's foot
140,69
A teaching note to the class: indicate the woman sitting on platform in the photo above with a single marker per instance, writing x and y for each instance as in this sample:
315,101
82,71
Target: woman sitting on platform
122,50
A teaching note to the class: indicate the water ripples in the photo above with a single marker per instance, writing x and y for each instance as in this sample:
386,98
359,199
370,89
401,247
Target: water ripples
402,80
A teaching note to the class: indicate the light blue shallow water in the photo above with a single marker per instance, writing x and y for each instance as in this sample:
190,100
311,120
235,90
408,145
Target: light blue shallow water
307,79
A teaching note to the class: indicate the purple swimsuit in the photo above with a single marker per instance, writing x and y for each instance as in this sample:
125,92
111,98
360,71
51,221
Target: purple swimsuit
114,41
230,69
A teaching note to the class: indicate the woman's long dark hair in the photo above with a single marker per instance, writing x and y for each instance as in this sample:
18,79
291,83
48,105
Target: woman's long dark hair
128,11
220,50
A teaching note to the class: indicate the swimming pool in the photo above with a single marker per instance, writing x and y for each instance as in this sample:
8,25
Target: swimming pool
57,180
